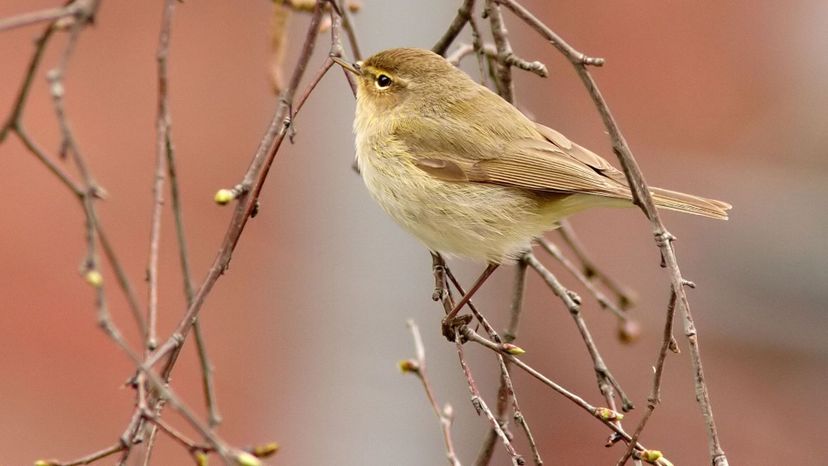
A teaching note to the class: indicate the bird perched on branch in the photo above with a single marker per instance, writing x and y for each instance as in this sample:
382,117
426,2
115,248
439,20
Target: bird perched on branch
466,172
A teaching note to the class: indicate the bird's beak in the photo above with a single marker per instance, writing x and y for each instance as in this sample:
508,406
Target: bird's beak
352,67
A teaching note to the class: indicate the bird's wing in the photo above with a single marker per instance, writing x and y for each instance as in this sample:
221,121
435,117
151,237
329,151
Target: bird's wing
533,164
581,154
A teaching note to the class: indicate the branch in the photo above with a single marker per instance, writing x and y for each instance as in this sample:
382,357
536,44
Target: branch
606,381
464,15
502,69
655,392
490,51
606,416
248,191
603,301
480,405
418,368
641,197
624,296
81,10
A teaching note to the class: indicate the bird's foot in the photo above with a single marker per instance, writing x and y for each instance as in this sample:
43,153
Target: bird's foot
449,326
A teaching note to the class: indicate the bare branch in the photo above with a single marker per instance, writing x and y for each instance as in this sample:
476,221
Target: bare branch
490,51
502,69
82,10
464,15
418,368
655,392
480,405
641,197
606,381
599,296
250,187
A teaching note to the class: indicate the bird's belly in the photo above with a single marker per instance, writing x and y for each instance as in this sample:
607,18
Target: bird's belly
479,221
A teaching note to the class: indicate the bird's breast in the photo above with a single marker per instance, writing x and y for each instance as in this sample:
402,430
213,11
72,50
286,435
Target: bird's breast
478,221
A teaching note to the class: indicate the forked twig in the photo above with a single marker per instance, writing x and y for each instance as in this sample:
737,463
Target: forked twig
642,198
418,367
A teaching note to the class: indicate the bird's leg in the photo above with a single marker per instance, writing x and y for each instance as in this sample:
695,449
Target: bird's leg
438,266
449,320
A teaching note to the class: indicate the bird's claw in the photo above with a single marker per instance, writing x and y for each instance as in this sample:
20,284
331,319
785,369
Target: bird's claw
450,325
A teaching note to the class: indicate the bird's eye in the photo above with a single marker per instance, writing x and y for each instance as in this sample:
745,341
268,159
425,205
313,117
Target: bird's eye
383,81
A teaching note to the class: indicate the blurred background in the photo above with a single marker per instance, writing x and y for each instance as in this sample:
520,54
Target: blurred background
721,99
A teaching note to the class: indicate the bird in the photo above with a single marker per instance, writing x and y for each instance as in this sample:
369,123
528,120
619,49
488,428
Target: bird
468,174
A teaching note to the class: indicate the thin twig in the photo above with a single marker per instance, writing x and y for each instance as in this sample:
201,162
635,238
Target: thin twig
502,68
336,44
348,26
606,381
624,296
599,296
480,405
464,14
444,415
162,125
641,197
506,390
490,51
15,124
91,266
596,412
249,190
78,8
178,436
517,413
14,121
655,392
90,458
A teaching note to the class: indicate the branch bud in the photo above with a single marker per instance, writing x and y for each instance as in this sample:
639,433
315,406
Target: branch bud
514,350
448,411
263,451
654,457
244,458
629,331
93,277
201,458
224,196
408,366
607,414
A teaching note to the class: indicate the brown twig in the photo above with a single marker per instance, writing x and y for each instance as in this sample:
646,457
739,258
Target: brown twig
464,15
336,44
249,190
599,296
480,405
607,417
87,191
162,127
655,392
642,198
418,368
178,436
624,296
606,381
348,26
490,51
502,68
166,161
82,10
506,389
506,392
90,458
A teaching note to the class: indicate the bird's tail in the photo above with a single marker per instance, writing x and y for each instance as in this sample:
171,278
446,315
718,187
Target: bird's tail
688,203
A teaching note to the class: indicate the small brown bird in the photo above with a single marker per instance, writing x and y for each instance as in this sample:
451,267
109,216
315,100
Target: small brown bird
467,173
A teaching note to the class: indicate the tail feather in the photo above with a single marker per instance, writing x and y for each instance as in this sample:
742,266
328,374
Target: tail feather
688,203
